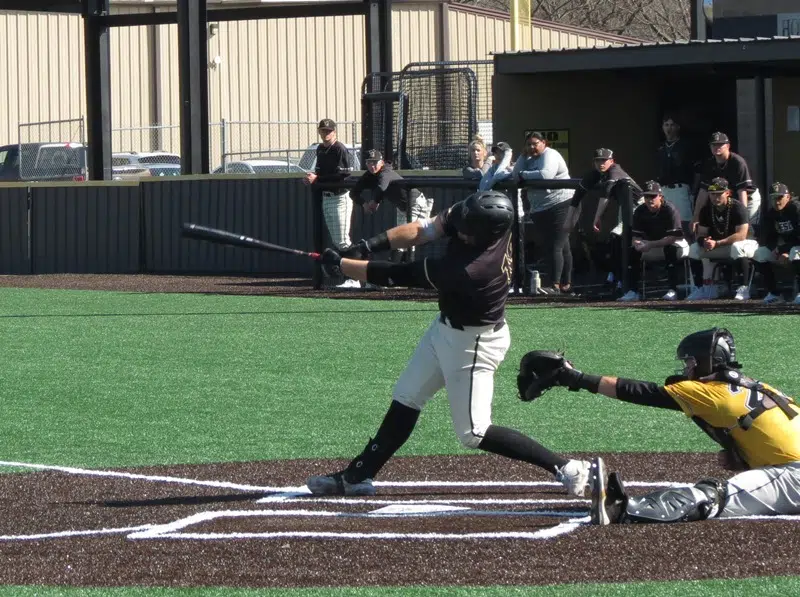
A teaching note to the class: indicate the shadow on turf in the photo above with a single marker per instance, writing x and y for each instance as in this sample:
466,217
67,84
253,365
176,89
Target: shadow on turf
187,500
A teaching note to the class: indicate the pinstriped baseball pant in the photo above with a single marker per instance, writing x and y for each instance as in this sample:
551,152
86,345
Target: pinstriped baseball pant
337,209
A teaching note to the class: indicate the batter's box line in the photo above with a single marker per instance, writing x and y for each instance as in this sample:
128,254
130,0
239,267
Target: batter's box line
174,529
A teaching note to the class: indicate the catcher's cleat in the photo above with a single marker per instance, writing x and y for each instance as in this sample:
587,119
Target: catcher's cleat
608,497
574,476
336,484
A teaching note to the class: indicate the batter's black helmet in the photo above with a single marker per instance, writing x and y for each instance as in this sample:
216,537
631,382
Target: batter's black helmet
485,216
713,350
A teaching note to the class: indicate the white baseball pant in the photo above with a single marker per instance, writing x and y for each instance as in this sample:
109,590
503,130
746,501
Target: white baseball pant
766,490
743,248
765,255
337,209
680,198
420,210
463,362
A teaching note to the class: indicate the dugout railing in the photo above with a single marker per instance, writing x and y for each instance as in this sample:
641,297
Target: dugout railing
130,227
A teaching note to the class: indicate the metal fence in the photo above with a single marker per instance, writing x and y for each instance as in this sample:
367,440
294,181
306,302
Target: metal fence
51,150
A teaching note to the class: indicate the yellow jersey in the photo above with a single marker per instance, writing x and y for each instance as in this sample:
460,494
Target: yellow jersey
772,439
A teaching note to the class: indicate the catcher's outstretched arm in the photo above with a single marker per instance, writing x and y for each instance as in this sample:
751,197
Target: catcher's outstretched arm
645,393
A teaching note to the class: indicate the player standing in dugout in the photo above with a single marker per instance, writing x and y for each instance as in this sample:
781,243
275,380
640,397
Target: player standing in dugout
334,164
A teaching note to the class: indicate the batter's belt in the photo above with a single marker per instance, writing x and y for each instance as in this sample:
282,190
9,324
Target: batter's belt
457,326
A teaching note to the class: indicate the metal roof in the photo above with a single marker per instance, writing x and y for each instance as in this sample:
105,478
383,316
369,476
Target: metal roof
779,52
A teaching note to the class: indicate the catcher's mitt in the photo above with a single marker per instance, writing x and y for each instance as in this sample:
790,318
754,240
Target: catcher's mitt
539,371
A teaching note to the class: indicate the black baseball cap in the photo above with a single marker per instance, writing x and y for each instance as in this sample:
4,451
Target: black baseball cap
718,185
374,155
327,123
719,139
652,188
502,146
778,189
603,154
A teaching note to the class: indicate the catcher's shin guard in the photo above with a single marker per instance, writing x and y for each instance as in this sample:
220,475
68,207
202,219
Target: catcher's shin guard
397,425
681,504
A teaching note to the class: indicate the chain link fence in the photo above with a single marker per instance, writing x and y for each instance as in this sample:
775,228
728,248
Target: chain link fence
51,150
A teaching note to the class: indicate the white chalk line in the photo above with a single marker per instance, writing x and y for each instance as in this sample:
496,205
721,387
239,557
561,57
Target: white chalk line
63,534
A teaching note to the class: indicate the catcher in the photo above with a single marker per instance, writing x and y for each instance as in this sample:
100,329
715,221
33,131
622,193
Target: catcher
756,425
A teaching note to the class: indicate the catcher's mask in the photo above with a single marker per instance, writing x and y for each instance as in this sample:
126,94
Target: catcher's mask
484,216
712,350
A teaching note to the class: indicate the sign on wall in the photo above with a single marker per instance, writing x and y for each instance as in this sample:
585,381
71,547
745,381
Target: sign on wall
558,139
788,23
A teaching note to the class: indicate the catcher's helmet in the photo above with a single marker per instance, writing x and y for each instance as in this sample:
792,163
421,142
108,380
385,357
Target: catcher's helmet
485,216
713,350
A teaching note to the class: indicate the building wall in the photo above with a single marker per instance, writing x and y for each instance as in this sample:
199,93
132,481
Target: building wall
746,8
289,70
604,116
786,144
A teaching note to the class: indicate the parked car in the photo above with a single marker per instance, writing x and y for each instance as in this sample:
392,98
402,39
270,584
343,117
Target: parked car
133,165
259,166
309,159
43,161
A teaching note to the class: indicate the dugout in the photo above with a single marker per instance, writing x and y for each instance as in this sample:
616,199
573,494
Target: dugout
615,97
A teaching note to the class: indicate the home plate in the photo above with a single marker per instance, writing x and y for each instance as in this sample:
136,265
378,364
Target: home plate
401,509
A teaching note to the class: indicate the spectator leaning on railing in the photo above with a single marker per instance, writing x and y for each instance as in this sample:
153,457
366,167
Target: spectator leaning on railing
549,208
479,159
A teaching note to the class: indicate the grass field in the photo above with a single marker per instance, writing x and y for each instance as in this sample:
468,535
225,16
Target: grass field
110,380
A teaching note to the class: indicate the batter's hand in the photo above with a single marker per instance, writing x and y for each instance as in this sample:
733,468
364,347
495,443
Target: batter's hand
310,178
331,263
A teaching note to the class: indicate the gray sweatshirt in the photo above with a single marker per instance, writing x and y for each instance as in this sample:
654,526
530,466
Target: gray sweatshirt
549,165
496,172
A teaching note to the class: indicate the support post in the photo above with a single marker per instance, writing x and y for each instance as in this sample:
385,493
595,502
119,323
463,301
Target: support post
98,89
193,76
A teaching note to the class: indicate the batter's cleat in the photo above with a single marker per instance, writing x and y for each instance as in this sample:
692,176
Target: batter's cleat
335,484
574,476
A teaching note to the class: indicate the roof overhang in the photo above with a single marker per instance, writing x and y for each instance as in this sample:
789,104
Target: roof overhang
66,6
741,57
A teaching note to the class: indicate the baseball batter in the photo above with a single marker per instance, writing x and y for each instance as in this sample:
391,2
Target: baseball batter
756,425
462,347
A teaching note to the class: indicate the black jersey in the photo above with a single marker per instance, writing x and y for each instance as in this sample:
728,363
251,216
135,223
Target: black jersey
781,229
650,225
721,223
472,282
675,163
606,183
734,170
382,188
334,164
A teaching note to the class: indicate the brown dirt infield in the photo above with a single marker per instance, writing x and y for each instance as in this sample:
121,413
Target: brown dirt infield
49,502
56,502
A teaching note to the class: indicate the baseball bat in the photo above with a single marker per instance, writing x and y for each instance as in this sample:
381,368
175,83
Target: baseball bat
224,237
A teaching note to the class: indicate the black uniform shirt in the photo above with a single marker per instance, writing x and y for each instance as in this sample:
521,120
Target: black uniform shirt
382,188
334,164
675,163
656,225
782,228
734,170
722,223
605,182
472,282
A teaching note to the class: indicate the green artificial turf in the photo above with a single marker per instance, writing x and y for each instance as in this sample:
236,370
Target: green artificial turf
104,379
751,587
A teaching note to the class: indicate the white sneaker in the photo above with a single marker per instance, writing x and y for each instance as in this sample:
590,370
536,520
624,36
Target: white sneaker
742,294
670,296
629,296
796,300
574,476
773,299
350,284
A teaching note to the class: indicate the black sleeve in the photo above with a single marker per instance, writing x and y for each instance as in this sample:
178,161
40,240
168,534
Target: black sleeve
704,217
743,175
738,216
587,182
386,273
645,393
360,187
674,228
637,226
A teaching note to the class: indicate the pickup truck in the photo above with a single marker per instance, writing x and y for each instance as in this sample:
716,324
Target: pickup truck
43,162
